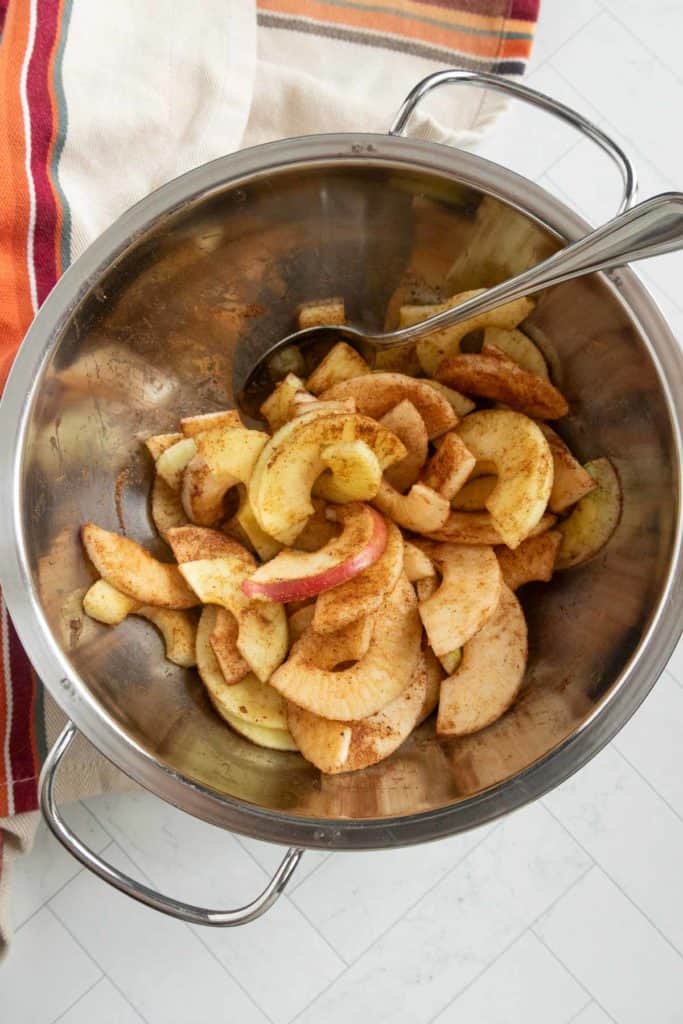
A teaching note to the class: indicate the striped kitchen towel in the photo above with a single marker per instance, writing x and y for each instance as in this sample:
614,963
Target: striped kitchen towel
101,103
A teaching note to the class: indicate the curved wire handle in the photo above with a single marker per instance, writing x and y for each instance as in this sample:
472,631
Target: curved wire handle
137,890
454,76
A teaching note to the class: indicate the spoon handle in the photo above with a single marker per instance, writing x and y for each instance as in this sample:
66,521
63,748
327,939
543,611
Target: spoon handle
648,229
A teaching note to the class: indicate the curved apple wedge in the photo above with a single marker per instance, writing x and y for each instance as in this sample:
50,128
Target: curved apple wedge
224,457
244,526
405,421
171,463
571,481
308,677
291,462
215,566
470,589
416,564
131,569
434,674
593,521
490,673
223,642
361,597
334,746
492,375
517,450
157,444
534,559
376,393
449,467
276,409
250,700
352,472
479,528
341,363
193,425
421,510
295,575
178,628
519,348
271,739
166,507
472,496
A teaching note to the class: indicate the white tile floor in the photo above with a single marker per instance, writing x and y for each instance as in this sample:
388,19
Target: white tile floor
569,911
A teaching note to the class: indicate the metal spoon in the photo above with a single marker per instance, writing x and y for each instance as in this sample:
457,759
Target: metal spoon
651,228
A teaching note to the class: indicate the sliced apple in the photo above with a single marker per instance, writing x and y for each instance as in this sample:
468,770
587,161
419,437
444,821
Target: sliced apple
166,507
193,425
108,605
500,379
426,587
433,347
223,642
460,404
361,597
319,529
295,575
571,481
189,543
534,559
467,597
514,445
172,462
131,569
291,462
473,495
490,673
449,662
276,408
321,313
335,746
250,700
449,467
159,443
353,472
421,510
376,393
271,739
479,528
341,363
518,347
405,421
304,402
178,628
245,526
224,457
416,564
594,519
299,621
308,677
434,674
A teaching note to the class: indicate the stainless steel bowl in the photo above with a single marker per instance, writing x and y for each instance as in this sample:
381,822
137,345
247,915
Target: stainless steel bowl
161,317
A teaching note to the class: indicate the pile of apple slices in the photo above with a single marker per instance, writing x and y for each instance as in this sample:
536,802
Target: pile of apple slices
383,525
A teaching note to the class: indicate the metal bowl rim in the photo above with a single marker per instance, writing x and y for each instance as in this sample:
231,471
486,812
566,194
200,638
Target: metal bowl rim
69,689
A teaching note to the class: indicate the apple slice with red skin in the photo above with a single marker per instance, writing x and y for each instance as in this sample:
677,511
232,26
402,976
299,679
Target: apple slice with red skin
294,575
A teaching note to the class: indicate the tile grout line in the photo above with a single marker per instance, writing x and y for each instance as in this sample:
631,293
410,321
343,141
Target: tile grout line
286,896
64,1012
96,962
614,882
644,778
564,42
585,1007
512,942
412,906
186,925
553,954
648,49
79,870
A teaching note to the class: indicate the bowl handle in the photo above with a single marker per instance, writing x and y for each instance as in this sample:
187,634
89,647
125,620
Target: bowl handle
137,890
537,99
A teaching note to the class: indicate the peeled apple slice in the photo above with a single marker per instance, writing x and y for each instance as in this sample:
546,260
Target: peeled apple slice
159,443
490,673
291,462
421,510
571,481
360,597
172,462
166,507
534,559
271,739
308,677
223,642
405,421
249,700
353,472
130,568
491,375
479,528
470,588
594,519
335,747
294,575
518,347
193,425
376,393
224,457
341,363
517,450
449,467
